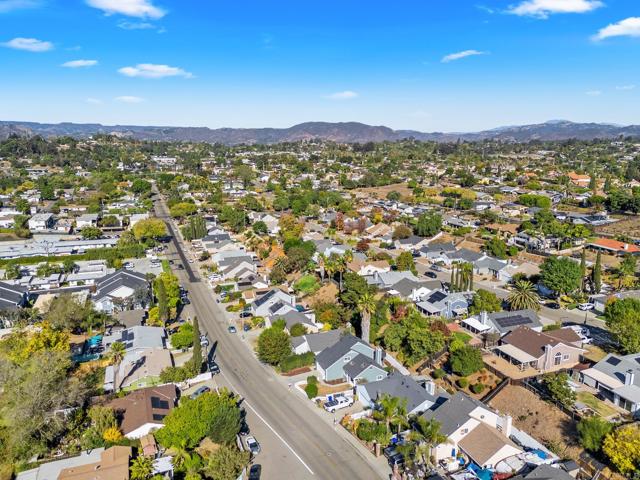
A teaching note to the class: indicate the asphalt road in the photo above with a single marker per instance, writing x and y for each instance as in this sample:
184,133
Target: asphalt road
296,443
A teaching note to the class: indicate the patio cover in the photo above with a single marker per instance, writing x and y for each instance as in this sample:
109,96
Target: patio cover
516,353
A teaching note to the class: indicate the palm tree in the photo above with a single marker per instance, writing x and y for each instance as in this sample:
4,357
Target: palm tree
341,267
141,468
523,296
330,266
116,353
366,306
322,261
391,410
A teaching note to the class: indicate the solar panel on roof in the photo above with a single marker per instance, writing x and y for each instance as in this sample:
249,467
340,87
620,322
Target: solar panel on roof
437,296
512,321
613,361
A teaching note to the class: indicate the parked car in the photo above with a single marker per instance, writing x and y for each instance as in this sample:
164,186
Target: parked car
436,268
431,275
586,306
180,266
396,459
244,429
214,368
204,342
246,327
232,329
253,445
553,305
246,314
200,391
338,402
254,472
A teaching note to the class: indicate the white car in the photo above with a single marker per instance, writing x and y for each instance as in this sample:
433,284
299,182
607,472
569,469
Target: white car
586,306
252,445
338,402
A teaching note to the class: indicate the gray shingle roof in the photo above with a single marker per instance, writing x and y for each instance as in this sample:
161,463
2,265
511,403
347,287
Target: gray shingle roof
454,412
359,364
11,295
318,341
332,354
119,279
401,386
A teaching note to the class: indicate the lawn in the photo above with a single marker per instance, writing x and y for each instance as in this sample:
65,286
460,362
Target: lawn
307,285
598,406
594,354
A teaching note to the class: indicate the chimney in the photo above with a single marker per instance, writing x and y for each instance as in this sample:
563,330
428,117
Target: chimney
629,377
625,246
378,356
484,317
506,425
430,387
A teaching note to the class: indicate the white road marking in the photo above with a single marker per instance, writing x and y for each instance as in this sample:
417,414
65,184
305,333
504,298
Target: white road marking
270,427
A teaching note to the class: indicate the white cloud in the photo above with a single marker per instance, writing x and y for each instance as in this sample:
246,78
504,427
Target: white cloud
345,95
94,101
594,93
130,8
629,27
544,8
625,87
79,63
129,99
136,25
29,44
458,55
150,70
11,5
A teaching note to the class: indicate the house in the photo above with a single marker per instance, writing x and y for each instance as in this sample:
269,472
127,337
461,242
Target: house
293,317
142,411
12,297
462,256
608,245
41,222
137,338
412,243
543,351
136,217
474,430
546,472
578,179
419,397
410,290
315,342
369,267
138,368
386,280
274,302
445,304
351,360
490,266
122,290
436,251
87,220
600,301
379,230
96,464
236,267
617,378
502,322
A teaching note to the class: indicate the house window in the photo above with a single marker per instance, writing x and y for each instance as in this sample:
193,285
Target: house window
379,377
557,358
565,357
464,431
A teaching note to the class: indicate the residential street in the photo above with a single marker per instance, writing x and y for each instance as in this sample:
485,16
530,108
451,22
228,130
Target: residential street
296,442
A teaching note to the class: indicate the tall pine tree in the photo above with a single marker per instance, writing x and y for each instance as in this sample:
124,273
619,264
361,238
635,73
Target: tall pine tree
597,274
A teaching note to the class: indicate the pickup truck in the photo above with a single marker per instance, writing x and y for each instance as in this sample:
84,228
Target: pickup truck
338,402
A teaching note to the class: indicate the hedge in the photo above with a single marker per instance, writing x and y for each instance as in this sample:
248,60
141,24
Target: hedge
113,253
296,361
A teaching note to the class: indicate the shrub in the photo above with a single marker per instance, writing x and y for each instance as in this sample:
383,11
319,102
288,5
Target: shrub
292,362
438,373
298,330
312,379
463,382
183,338
466,360
477,388
311,390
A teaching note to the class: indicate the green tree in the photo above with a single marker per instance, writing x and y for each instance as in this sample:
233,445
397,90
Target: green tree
622,318
626,269
465,361
391,410
149,228
523,296
91,233
226,463
141,468
583,269
428,224
116,352
560,274
297,330
592,431
405,262
596,274
497,248
259,228
485,301
187,424
182,209
367,307
557,385
273,345
194,365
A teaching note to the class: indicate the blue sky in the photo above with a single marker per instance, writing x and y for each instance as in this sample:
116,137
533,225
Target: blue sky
430,65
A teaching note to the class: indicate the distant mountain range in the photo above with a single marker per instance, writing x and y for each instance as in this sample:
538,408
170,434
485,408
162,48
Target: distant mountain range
348,132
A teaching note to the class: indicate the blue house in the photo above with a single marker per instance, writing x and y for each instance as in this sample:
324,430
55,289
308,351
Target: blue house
350,360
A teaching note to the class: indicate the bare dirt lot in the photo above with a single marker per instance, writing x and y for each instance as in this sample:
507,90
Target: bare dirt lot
381,192
540,419
626,225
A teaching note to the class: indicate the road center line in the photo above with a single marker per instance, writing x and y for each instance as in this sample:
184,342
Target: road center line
269,426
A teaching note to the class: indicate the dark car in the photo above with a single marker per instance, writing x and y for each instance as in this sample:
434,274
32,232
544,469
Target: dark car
214,368
254,472
199,392
185,301
431,275
244,429
396,459
180,266
553,305
232,329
